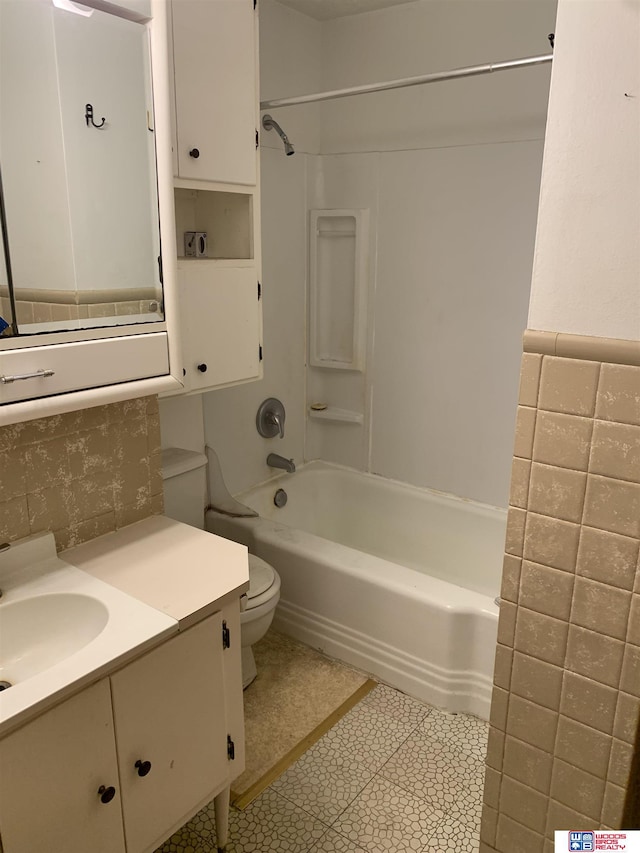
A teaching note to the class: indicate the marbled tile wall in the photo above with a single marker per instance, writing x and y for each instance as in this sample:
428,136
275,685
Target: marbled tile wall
566,700
81,474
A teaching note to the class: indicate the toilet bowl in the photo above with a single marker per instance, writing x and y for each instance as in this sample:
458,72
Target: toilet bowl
259,607
184,475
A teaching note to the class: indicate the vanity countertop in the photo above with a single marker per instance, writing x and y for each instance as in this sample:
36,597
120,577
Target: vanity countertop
149,580
182,571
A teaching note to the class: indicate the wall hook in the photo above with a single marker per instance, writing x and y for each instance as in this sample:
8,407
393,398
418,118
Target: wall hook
88,117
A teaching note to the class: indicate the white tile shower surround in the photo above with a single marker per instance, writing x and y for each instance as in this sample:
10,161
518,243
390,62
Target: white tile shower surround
392,776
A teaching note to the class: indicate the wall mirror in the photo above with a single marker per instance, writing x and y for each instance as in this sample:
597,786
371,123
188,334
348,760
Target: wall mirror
81,244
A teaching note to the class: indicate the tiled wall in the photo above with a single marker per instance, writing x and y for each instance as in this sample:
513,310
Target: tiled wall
81,474
566,699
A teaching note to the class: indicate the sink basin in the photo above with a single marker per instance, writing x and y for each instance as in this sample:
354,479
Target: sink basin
38,632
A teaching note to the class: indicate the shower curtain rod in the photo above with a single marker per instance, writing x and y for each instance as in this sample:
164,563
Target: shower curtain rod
468,71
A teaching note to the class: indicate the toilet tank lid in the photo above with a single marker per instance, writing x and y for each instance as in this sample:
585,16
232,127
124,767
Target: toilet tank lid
177,460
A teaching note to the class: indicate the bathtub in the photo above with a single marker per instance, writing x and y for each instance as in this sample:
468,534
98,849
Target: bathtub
395,580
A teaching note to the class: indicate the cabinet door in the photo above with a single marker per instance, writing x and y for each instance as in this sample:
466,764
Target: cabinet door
215,85
221,313
50,772
168,709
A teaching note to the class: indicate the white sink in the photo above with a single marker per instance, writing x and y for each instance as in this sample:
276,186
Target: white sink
61,628
38,632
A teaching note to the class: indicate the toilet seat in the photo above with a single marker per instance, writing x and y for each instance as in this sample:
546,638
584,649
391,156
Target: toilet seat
264,583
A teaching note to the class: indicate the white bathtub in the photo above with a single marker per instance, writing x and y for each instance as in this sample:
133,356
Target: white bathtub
395,580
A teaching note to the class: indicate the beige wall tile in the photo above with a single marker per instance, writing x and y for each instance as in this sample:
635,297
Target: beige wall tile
583,747
577,789
157,504
89,451
551,542
613,806
601,607
510,577
607,557
562,817
620,762
612,505
507,623
499,705
502,667
515,531
526,764
512,837
568,385
529,379
633,628
562,440
492,780
536,680
153,434
619,394
495,748
525,428
13,476
587,702
67,467
50,509
519,489
41,312
523,804
594,656
626,718
532,723
47,462
615,451
630,678
558,492
486,848
541,636
14,519
546,590
488,825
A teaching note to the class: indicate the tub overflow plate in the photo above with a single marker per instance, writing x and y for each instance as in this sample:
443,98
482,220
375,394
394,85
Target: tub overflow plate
280,498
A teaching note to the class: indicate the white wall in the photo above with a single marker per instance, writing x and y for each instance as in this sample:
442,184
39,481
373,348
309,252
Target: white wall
290,64
230,414
586,277
451,176
429,36
452,233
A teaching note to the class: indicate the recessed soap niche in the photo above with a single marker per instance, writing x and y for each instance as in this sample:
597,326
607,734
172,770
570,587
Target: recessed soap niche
338,284
226,219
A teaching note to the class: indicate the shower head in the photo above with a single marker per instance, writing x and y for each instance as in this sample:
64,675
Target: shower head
270,123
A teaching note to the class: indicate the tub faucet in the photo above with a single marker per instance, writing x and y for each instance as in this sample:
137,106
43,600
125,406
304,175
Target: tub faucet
275,461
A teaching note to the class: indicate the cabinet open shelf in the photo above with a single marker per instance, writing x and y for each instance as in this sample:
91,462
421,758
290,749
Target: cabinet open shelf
225,217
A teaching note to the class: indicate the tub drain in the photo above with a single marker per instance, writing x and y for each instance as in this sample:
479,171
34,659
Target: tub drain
4,685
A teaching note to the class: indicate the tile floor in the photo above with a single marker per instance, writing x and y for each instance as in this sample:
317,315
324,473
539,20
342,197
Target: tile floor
392,776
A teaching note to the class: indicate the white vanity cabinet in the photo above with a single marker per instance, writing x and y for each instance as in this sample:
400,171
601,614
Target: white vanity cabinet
156,731
50,773
214,49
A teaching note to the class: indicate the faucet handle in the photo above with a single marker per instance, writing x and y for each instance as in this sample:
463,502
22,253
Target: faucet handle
275,419
270,418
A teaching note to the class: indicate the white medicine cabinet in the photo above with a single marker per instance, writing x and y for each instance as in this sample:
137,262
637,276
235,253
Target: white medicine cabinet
88,268
213,48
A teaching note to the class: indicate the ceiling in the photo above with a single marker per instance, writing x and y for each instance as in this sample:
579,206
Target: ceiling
322,10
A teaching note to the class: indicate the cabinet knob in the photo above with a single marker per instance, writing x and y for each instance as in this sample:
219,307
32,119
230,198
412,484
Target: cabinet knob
143,767
194,153
106,794
202,368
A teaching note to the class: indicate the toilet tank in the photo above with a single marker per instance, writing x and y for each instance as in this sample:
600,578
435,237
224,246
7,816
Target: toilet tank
184,473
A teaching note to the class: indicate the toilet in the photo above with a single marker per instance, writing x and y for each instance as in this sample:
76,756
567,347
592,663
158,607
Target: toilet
184,474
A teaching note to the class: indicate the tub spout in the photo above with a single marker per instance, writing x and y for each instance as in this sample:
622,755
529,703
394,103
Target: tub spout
275,461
